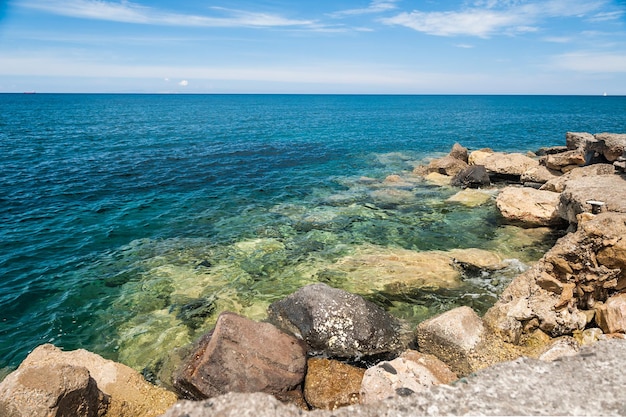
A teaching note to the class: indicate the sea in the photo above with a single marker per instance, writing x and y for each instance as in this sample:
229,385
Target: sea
129,222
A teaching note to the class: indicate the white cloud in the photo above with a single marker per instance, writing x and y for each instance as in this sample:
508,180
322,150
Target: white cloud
590,62
183,83
490,17
376,6
128,12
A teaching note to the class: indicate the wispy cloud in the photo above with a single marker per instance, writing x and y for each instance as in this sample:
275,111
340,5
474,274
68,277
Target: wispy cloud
590,62
376,6
128,12
486,18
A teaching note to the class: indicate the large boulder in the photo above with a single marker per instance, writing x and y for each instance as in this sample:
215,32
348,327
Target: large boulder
410,373
331,384
459,152
477,157
474,176
241,355
611,145
336,323
448,165
558,184
128,392
508,166
539,174
590,383
558,293
607,193
529,206
565,161
611,316
51,390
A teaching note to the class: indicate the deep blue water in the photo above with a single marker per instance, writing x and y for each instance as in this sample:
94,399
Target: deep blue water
104,198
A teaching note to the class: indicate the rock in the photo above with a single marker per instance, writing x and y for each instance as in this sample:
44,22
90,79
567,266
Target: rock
474,176
508,166
438,179
410,373
336,323
529,206
470,198
539,174
477,157
447,165
578,140
476,259
611,316
129,393
550,150
610,230
563,346
611,145
459,152
241,355
579,193
51,390
517,388
558,184
565,159
331,384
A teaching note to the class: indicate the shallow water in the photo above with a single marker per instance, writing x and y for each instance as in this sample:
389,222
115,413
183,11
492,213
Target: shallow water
129,222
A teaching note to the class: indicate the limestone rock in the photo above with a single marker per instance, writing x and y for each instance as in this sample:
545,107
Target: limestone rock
336,323
477,157
508,165
51,390
529,206
241,355
578,140
539,174
438,179
611,316
410,373
130,394
470,198
476,259
560,347
447,165
565,159
608,189
459,152
611,145
558,184
474,176
330,384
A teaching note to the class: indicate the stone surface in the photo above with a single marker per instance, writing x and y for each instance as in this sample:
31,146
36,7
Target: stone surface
447,165
336,323
564,159
611,145
51,390
608,189
438,179
578,140
241,355
508,165
477,157
611,316
539,174
569,386
130,394
529,206
560,347
474,176
410,373
331,384
470,198
459,152
558,184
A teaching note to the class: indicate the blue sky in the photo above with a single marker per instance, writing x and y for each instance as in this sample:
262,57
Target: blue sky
339,46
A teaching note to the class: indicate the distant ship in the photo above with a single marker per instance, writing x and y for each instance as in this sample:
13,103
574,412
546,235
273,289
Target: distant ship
604,94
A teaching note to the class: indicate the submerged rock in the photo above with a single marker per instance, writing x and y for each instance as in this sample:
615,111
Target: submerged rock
336,323
470,198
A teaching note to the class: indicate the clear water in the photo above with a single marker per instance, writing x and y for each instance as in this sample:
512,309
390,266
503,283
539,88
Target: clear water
128,222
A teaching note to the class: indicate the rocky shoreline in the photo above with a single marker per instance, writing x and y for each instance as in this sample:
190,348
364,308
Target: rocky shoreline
326,349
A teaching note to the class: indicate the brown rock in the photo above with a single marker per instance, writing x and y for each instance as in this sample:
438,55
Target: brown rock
477,157
130,394
529,206
558,184
612,145
540,174
330,384
578,195
241,355
565,159
410,373
447,165
51,390
560,347
611,316
508,165
459,152
578,140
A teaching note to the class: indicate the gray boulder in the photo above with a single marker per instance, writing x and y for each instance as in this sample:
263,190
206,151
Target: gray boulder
339,324
474,176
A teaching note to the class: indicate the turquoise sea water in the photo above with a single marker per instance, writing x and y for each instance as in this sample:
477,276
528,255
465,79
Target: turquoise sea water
128,222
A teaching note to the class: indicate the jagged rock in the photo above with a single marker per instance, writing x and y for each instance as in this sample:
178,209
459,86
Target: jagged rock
477,157
459,152
564,161
331,384
610,190
51,390
611,316
539,174
610,228
129,393
447,165
611,145
507,165
562,346
550,150
556,293
558,184
529,206
241,355
336,323
410,373
569,386
470,197
578,140
474,176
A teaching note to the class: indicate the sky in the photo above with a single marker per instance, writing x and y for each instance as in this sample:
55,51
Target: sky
314,46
